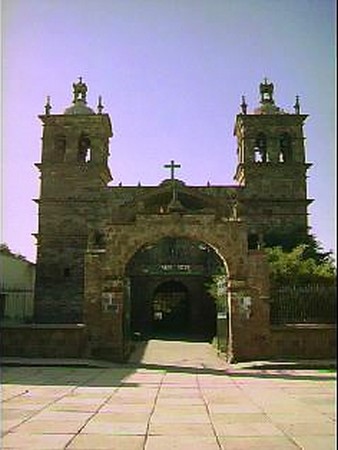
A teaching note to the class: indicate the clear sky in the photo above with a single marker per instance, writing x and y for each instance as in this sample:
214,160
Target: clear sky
171,74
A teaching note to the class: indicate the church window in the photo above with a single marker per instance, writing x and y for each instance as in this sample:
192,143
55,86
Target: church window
285,148
84,149
260,151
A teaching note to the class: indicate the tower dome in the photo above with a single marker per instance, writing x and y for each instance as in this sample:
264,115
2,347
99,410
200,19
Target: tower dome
79,102
79,108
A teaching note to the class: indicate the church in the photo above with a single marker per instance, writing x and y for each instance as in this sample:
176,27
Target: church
129,261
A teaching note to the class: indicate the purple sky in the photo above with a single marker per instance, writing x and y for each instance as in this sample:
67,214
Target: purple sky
171,73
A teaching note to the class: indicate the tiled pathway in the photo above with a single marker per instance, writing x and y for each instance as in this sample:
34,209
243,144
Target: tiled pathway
173,401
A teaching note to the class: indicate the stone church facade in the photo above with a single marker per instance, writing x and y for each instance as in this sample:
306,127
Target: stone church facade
137,259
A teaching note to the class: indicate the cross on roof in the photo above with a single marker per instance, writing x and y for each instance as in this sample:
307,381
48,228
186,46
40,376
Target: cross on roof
172,166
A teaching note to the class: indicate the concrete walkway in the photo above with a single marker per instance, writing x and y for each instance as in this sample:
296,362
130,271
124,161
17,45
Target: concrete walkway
172,395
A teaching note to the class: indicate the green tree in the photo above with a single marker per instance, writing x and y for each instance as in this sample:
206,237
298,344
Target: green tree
304,264
216,287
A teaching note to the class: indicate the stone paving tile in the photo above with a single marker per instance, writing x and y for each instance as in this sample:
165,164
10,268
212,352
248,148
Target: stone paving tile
81,400
36,426
143,378
181,429
73,407
181,443
247,429
98,426
119,416
167,418
179,401
10,391
125,408
308,429
234,408
9,425
239,418
62,416
309,417
129,400
329,409
226,400
15,414
260,443
106,442
13,441
316,442
26,405
180,409
104,391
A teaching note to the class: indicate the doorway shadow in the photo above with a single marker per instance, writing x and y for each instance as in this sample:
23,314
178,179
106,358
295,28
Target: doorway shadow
180,337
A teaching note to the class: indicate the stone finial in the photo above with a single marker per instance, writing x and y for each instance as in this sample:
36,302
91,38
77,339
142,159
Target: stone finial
266,91
99,105
296,106
47,106
243,105
80,91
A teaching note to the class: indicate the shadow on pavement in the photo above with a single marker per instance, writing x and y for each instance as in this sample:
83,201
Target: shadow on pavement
105,374
118,376
294,374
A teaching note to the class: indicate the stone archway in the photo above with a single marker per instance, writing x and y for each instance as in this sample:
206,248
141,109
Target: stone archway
168,271
107,308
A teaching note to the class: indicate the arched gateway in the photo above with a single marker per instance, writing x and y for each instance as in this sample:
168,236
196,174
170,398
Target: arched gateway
110,284
170,283
91,233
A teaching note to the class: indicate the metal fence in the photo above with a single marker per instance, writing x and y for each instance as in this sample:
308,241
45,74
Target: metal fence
16,304
303,304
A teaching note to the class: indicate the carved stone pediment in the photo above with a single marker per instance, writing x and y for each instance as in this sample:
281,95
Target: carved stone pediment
168,198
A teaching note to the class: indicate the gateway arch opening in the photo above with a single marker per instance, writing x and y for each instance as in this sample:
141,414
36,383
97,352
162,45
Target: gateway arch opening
170,308
170,289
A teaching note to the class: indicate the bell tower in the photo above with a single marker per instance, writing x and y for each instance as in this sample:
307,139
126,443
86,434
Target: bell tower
74,173
75,146
272,167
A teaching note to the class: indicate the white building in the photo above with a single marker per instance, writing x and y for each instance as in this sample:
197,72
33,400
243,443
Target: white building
17,277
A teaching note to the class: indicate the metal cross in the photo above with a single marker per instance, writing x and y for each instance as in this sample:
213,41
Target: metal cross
172,166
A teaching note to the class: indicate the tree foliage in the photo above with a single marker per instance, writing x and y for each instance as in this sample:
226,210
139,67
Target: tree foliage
304,264
288,238
216,287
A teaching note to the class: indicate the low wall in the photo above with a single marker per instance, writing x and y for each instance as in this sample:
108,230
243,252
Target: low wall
44,340
305,341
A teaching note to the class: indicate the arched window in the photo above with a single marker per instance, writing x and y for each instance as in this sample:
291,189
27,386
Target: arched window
84,149
260,151
285,148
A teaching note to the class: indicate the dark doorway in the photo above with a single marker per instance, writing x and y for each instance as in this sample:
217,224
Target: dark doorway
170,308
170,289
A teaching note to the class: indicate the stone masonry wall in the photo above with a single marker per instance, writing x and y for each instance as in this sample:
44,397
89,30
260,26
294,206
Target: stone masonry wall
44,341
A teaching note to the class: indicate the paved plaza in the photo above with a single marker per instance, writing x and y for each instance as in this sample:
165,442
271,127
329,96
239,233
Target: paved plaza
171,395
